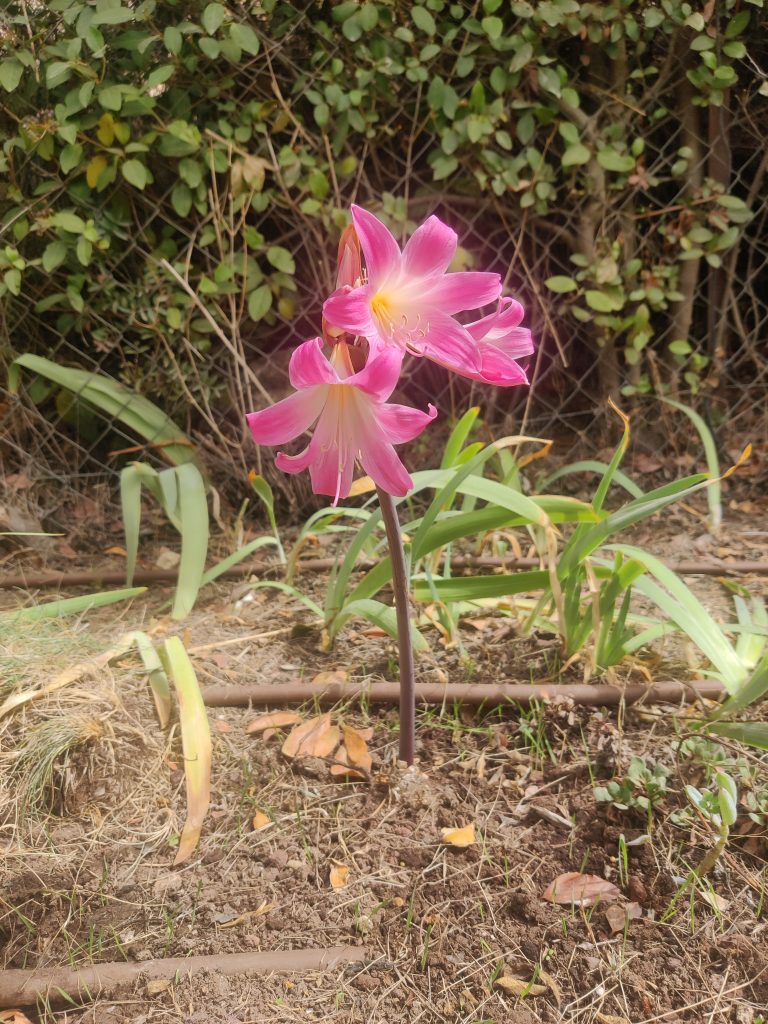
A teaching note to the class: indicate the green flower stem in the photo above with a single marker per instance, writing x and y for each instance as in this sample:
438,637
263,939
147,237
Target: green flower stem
400,587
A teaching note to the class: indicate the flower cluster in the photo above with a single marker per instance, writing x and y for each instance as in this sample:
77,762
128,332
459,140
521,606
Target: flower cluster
387,303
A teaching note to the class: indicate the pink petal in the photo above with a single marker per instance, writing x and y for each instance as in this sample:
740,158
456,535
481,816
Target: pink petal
380,374
430,249
381,251
508,316
497,367
285,420
448,343
400,423
382,463
309,366
466,289
350,309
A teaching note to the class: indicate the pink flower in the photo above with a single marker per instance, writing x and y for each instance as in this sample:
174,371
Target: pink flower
354,421
501,341
409,301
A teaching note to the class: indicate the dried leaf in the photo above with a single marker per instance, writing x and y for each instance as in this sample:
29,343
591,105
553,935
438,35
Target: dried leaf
338,875
315,738
221,726
261,820
574,888
552,985
361,486
343,767
718,903
460,837
357,749
517,987
116,550
619,917
157,985
338,675
610,1018
264,908
273,720
13,1017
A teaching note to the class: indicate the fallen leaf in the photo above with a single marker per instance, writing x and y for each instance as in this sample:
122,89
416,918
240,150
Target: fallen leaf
242,918
716,902
221,726
273,720
361,486
580,890
552,985
338,875
343,767
517,987
261,820
14,1017
315,738
157,985
460,837
619,917
609,1018
116,550
337,675
357,749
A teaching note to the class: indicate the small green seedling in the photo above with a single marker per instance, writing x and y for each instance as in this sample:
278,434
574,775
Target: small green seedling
719,807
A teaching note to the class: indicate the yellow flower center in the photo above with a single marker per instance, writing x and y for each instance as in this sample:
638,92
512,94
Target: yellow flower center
381,307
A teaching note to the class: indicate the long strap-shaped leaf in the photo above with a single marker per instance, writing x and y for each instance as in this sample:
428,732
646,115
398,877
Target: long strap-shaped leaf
114,400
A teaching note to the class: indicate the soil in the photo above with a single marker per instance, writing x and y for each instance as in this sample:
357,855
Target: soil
89,876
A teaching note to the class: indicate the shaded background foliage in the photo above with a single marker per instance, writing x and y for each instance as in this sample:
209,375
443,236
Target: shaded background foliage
175,175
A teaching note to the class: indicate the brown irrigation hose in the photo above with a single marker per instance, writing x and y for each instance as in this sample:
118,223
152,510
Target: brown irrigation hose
89,577
598,695
60,986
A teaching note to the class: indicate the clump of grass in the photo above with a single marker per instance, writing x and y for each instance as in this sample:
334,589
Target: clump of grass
44,756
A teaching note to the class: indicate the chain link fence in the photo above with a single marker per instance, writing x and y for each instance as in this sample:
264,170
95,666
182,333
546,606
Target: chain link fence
714,314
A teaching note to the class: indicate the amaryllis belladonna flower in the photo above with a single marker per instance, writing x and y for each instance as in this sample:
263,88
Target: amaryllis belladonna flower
355,423
410,302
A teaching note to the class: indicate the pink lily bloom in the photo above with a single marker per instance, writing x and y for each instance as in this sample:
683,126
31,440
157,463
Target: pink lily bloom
355,423
501,341
409,301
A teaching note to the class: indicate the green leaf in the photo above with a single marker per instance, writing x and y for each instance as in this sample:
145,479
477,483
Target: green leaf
173,40
599,301
423,20
381,615
54,255
158,679
12,280
559,284
612,160
68,221
281,259
111,97
192,506
286,588
477,588
11,71
245,37
715,491
181,199
259,302
135,173
493,27
115,401
592,466
458,436
71,605
753,734
576,155
70,157
212,18
57,72
112,15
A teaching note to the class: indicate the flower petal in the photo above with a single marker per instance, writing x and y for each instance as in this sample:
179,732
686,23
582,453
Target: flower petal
309,366
381,251
285,420
401,423
430,249
382,463
380,374
466,289
499,368
350,309
448,343
508,316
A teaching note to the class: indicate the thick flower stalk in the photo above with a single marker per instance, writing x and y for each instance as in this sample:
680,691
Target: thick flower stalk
388,303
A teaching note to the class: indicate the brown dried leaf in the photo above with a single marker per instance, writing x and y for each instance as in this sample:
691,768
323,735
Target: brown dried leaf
261,820
517,987
264,908
552,985
337,675
357,749
315,738
273,720
610,1018
574,888
13,1017
460,837
619,917
338,875
343,767
221,726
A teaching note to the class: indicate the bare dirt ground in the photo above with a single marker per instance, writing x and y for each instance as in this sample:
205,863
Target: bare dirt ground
87,876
